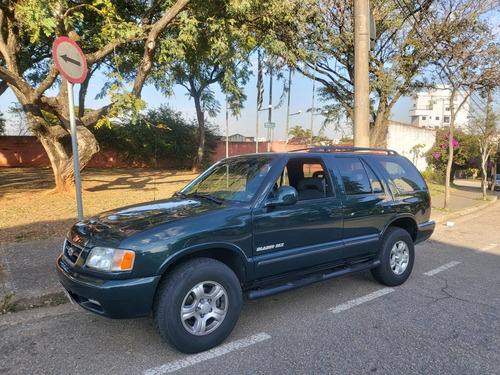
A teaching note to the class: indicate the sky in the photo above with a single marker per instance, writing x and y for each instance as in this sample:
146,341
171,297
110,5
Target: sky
300,99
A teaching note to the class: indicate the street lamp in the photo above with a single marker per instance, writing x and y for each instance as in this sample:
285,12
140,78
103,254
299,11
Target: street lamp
257,127
288,126
312,122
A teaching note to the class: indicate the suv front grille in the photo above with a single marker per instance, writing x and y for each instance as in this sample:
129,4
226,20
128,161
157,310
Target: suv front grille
71,251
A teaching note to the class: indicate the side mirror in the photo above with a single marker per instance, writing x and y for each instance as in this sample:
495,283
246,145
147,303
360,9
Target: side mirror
284,196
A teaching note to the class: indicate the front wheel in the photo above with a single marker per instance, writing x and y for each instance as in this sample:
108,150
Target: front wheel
397,255
197,305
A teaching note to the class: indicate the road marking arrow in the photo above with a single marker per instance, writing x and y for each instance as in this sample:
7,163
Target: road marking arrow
70,60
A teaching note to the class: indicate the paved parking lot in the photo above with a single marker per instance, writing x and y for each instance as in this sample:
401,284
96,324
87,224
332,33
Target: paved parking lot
444,320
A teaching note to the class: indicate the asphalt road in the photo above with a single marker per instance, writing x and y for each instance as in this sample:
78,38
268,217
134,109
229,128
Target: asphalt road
444,320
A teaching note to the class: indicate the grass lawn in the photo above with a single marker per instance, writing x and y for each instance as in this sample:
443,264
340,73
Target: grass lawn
28,213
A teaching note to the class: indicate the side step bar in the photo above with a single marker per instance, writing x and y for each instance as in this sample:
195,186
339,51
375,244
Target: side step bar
280,288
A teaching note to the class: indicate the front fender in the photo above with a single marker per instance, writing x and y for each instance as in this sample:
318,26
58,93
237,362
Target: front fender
225,252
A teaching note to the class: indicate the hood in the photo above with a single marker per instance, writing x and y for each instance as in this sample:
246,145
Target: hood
111,227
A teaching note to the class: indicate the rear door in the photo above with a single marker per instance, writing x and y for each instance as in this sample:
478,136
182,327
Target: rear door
306,234
367,205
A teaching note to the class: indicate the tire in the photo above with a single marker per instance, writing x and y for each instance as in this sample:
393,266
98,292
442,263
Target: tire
397,255
197,305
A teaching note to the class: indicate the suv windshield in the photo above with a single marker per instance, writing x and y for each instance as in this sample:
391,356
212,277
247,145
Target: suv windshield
235,179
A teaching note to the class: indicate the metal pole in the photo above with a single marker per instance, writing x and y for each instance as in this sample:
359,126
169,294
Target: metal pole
269,117
74,144
257,133
288,109
227,126
312,107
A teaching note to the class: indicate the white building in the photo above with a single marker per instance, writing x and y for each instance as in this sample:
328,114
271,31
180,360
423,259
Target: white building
411,141
431,108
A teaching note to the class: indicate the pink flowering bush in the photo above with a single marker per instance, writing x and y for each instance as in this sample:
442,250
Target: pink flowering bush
465,153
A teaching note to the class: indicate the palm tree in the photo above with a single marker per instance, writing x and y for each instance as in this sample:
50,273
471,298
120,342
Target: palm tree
297,132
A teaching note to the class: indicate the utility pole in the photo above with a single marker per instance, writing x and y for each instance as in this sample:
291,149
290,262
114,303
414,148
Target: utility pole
270,114
361,75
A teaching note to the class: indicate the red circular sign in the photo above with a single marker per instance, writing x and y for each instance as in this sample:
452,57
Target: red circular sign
69,59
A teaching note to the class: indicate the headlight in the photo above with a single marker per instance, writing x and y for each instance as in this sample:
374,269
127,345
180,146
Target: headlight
108,259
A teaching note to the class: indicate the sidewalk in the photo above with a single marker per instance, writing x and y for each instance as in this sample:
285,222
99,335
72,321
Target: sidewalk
28,275
465,199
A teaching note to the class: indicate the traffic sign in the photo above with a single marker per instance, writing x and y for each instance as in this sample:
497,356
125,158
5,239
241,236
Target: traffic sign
69,59
270,125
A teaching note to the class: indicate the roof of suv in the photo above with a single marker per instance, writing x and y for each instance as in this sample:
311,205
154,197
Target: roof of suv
366,150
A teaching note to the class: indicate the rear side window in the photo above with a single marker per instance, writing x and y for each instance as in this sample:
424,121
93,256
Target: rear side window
357,177
404,176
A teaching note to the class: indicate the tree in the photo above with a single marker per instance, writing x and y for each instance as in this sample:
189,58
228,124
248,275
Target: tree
485,130
160,137
216,51
297,132
459,58
107,31
464,155
2,124
405,40
398,56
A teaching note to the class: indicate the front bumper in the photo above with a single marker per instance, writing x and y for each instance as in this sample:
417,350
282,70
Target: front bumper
117,299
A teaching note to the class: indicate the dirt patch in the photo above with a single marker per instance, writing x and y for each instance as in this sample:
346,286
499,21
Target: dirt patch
27,213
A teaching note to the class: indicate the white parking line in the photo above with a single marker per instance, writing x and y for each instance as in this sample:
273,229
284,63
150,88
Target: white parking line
360,300
442,268
213,353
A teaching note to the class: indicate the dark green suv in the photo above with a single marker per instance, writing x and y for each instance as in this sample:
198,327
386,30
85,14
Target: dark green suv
253,224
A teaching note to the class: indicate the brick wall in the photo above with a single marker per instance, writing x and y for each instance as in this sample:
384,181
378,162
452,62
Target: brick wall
27,151
22,151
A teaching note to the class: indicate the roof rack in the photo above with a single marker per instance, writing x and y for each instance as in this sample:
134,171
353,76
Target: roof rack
353,149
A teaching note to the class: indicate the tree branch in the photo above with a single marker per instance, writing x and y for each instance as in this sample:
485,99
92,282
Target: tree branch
149,49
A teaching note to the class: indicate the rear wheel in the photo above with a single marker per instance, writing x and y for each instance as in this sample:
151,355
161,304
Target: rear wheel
197,305
397,255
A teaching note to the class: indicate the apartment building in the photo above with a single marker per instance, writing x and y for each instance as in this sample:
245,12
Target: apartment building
431,108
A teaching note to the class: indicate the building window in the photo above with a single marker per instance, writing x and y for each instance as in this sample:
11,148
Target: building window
437,118
447,109
424,118
446,119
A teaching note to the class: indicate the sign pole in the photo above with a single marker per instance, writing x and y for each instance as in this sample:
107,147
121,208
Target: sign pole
74,144
72,64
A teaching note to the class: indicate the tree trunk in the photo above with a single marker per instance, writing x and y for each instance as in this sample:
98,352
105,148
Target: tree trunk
484,183
198,159
378,132
56,141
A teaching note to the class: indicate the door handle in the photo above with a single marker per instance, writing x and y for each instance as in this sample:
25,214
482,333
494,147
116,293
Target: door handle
336,212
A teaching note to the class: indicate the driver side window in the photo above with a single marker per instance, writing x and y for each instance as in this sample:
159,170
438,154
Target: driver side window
307,176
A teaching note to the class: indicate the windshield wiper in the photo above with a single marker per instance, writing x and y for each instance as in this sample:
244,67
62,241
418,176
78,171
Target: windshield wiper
207,196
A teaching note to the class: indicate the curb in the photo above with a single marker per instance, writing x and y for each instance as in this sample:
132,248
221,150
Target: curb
18,302
457,214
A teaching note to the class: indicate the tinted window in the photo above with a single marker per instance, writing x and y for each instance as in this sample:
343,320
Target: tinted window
354,176
404,175
307,176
